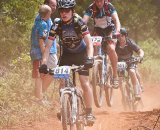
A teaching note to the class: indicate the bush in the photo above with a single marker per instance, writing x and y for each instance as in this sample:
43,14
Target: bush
16,88
150,68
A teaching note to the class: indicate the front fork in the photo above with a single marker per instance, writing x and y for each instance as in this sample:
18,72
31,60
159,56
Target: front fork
72,92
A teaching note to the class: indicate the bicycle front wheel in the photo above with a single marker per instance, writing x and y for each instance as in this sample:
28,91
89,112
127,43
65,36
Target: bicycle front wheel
66,112
97,85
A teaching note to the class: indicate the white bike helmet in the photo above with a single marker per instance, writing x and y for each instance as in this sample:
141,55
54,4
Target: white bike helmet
66,3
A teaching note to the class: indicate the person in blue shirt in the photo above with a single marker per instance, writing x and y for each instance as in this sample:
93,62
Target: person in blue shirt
52,59
106,21
39,38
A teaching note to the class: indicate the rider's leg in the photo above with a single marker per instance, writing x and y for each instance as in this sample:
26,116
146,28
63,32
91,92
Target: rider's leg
87,91
139,79
134,81
114,59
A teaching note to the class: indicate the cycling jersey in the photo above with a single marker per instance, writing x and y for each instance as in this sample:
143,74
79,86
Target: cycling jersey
71,34
53,49
39,30
126,52
102,17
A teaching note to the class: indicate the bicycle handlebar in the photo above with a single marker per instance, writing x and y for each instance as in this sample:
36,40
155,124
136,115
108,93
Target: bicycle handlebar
74,68
133,60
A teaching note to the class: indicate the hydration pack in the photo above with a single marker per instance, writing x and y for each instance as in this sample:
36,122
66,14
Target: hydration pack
95,9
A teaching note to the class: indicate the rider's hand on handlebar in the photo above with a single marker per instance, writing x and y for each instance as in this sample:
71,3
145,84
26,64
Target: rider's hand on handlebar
43,69
89,61
140,59
116,35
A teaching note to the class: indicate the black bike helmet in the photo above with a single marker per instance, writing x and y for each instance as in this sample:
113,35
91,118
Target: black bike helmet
123,31
66,3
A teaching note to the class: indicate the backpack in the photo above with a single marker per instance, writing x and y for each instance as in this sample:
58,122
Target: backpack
95,9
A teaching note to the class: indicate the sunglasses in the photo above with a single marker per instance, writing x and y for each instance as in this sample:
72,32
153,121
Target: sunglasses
66,10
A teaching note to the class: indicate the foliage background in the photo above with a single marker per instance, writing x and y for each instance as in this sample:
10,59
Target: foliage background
140,17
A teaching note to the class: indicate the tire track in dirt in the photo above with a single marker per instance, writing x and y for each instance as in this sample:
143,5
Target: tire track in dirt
114,118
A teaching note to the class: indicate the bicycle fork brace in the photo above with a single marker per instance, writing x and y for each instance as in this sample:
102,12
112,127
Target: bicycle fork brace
72,92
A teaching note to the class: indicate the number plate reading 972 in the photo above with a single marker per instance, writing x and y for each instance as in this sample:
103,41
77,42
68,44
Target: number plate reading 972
96,40
62,72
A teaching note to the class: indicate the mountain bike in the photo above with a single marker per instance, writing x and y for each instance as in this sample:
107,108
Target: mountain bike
129,100
71,99
101,74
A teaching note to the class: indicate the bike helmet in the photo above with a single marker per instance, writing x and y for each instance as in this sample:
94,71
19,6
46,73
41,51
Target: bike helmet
66,3
123,31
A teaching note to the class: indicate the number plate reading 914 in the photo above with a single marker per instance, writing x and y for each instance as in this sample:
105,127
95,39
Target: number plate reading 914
62,72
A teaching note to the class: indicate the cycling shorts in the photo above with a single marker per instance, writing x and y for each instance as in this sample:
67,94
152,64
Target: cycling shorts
74,59
104,32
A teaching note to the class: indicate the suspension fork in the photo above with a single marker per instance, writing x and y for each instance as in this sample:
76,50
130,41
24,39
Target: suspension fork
72,92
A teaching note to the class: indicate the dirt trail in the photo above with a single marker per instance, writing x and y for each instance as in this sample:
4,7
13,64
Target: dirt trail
114,118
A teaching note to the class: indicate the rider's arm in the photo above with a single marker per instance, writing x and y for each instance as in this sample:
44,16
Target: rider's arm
140,53
136,48
115,17
86,19
116,22
87,15
52,35
87,39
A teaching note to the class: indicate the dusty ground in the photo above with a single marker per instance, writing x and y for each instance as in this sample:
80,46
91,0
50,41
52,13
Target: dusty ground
115,118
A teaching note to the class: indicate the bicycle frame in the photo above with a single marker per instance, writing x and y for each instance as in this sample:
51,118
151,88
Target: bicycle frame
101,57
125,77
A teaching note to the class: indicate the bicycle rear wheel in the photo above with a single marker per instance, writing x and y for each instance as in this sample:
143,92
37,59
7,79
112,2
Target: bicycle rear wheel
108,87
97,85
66,112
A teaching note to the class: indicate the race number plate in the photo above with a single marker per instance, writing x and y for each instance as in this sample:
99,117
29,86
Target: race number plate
121,66
62,72
97,40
